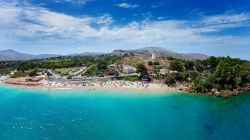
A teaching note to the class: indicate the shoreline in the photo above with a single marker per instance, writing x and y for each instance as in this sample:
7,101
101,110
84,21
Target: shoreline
145,91
116,85
148,90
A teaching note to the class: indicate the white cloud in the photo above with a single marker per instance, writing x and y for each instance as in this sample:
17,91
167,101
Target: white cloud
127,5
35,22
224,21
39,22
105,19
78,2
227,18
42,26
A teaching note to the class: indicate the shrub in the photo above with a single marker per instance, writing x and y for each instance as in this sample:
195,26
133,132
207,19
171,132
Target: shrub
177,65
150,63
19,74
130,78
33,72
169,80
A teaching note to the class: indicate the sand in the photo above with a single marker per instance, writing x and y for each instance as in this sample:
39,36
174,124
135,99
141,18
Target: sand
116,85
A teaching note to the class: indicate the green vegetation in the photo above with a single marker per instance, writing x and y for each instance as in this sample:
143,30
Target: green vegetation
130,78
60,63
231,73
169,81
141,68
19,74
94,71
212,74
177,65
33,72
66,71
48,73
150,63
5,71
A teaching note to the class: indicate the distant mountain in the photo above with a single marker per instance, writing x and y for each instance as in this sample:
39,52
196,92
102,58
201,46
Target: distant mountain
159,51
147,51
6,55
14,55
86,54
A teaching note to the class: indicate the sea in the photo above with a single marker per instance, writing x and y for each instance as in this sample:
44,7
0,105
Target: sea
36,114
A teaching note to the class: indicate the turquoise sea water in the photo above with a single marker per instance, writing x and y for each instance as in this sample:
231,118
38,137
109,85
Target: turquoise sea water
102,115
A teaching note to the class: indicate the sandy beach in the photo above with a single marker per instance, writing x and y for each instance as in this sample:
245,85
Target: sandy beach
115,85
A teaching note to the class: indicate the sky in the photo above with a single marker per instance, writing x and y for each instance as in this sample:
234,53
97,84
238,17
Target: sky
212,27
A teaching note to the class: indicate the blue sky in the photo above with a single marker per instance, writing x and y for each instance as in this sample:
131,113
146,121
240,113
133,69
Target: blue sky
213,27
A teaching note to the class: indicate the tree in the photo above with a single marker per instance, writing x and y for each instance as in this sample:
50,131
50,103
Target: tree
102,64
156,63
169,80
170,58
177,65
188,75
143,72
141,69
213,61
226,71
33,72
203,83
150,63
48,74
189,65
244,74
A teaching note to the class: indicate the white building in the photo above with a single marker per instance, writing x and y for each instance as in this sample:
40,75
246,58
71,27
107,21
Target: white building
163,71
153,56
128,69
112,67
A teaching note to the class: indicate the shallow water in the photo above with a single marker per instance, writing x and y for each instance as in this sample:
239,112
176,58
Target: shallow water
103,115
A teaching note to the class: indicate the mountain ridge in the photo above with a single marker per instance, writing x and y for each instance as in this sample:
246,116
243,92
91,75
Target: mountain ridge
7,55
10,54
160,51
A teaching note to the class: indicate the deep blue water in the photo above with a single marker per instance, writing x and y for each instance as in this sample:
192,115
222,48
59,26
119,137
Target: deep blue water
102,115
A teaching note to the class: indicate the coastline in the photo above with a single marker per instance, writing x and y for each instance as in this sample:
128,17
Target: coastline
119,86
151,89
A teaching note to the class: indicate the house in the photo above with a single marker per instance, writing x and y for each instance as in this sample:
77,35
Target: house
153,56
128,69
112,67
163,71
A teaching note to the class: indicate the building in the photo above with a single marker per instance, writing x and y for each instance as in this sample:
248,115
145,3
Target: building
112,67
153,56
128,69
163,71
